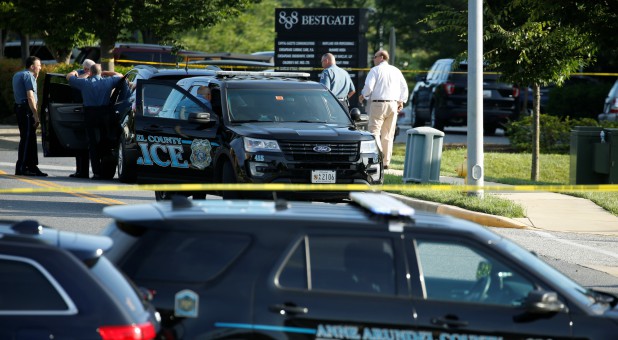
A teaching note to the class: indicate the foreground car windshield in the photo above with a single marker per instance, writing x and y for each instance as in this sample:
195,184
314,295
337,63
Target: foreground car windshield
286,105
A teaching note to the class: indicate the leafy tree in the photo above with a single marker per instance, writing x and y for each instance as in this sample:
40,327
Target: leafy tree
163,20
16,16
528,43
59,23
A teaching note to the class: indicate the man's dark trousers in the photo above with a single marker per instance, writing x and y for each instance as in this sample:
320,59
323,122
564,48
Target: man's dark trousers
96,131
27,157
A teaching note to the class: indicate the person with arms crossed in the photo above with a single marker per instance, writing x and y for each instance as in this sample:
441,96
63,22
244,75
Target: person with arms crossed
386,91
336,79
96,91
25,95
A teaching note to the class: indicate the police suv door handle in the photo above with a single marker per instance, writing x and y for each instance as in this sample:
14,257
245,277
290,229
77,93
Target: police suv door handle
449,321
153,128
288,309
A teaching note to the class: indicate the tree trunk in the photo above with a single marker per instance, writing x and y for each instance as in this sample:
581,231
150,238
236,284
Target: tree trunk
25,47
107,54
536,133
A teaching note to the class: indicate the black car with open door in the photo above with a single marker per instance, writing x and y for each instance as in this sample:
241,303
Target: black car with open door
62,116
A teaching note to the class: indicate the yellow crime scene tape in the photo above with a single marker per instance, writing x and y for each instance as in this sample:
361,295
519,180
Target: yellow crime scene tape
311,187
183,63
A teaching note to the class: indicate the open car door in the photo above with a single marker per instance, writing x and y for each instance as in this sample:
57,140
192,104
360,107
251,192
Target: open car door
62,118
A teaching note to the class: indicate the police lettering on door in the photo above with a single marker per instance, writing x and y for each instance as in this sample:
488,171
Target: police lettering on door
167,151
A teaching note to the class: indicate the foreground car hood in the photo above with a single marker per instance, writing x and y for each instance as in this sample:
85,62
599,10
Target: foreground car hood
303,131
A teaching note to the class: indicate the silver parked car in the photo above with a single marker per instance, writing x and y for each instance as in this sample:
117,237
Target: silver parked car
610,109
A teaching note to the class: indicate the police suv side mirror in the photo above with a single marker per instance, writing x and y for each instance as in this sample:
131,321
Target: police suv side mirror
355,114
199,117
543,302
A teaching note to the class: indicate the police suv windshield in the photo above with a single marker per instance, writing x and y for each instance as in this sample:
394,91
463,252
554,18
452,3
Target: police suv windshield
285,105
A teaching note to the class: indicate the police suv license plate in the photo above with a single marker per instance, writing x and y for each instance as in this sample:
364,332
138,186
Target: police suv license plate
323,176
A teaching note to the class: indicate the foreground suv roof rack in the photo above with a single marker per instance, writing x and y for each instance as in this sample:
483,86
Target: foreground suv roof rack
225,74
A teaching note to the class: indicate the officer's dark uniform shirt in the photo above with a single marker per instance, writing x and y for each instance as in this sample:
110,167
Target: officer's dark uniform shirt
338,81
22,83
92,87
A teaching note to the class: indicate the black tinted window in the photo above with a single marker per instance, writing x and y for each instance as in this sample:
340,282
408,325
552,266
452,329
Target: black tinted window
23,287
361,265
460,272
285,105
184,256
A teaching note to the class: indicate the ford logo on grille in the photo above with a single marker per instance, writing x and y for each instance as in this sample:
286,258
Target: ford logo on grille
322,148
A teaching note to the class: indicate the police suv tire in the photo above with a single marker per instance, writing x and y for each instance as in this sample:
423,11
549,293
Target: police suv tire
228,176
436,122
108,167
415,120
126,173
167,195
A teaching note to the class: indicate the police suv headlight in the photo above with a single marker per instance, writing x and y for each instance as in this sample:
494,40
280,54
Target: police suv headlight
369,146
254,145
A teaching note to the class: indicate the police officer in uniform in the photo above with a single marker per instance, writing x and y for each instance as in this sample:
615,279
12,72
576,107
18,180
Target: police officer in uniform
96,91
25,95
336,79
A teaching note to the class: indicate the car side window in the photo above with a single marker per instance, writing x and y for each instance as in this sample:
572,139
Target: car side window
442,72
432,72
25,286
344,264
462,272
157,101
192,257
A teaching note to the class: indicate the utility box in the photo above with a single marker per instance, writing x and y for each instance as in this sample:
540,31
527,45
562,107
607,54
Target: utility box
608,155
589,155
423,155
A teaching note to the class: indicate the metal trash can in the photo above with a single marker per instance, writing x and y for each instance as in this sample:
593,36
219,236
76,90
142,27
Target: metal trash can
423,155
589,156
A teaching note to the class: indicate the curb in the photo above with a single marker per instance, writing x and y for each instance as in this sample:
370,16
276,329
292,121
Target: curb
473,216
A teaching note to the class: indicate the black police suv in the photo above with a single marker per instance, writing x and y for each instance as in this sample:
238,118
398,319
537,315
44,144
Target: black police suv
261,127
264,127
62,115
441,98
372,269
59,285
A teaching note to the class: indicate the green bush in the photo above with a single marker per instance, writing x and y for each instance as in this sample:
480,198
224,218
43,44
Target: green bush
554,133
584,100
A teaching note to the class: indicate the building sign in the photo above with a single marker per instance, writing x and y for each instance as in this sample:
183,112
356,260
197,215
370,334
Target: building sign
305,34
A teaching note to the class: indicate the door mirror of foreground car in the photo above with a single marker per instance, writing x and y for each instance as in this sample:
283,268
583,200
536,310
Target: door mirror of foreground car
543,302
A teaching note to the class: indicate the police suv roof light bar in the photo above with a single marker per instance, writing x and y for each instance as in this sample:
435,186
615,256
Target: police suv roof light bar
262,74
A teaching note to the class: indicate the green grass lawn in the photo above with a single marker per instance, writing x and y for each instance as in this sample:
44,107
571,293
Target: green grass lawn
505,168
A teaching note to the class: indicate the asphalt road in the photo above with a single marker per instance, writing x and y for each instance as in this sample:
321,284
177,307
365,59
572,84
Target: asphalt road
81,210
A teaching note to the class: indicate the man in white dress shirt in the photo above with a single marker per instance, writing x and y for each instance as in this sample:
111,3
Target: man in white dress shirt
386,91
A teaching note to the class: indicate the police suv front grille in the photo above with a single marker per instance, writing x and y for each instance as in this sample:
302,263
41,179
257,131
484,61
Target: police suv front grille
339,152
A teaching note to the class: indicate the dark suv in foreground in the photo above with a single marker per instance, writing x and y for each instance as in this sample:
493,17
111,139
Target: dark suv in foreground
372,269
60,285
441,98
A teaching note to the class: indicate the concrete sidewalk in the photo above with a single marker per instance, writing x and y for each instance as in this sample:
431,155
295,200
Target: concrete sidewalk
544,210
